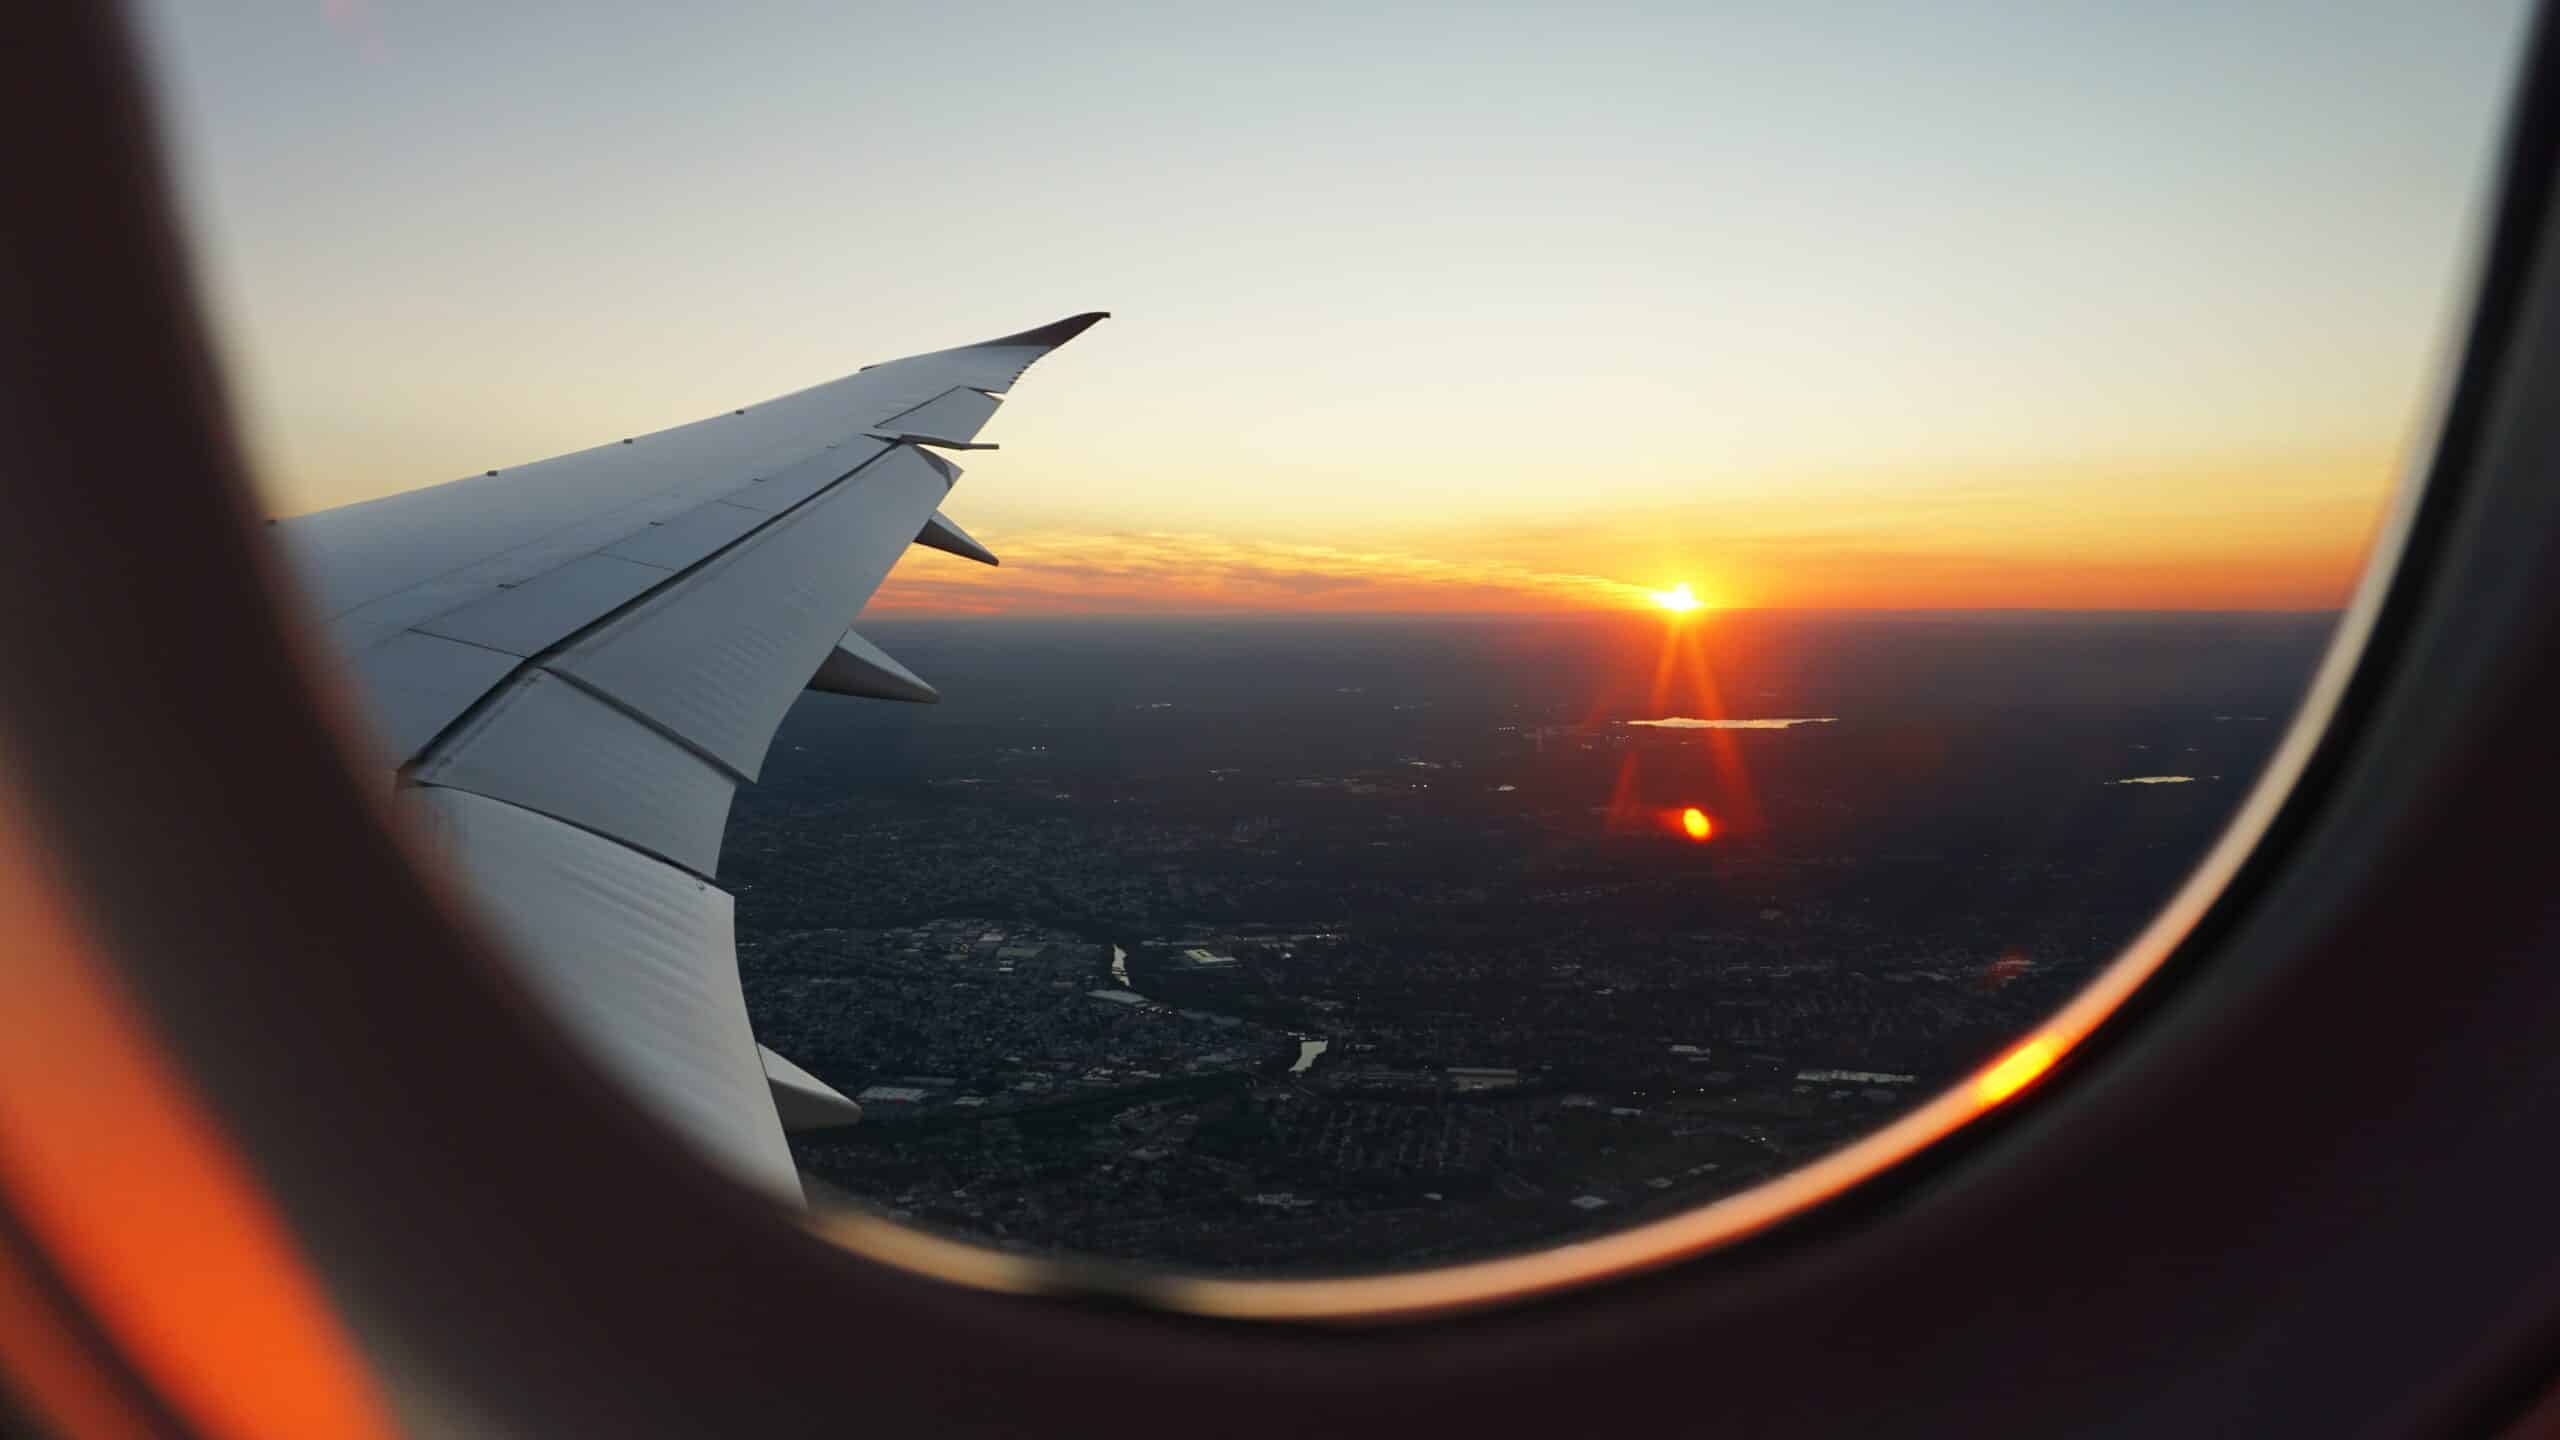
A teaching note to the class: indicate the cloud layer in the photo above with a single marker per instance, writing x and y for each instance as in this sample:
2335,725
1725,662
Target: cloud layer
1104,572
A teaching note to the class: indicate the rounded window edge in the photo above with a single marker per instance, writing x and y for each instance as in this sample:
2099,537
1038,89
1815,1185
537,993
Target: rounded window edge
2507,235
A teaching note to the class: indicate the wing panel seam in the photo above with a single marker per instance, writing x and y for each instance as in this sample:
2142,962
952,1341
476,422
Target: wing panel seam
574,824
542,659
626,711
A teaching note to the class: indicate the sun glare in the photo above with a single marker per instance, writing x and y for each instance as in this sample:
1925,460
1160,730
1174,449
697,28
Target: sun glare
2014,1071
1695,823
1679,599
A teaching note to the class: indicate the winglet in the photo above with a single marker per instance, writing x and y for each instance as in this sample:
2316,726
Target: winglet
1052,335
864,670
942,535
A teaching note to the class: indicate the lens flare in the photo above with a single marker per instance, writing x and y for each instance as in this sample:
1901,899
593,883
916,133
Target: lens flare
1679,599
1694,822
2014,1071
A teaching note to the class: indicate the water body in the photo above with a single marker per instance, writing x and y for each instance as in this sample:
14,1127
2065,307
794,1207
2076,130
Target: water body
1308,1049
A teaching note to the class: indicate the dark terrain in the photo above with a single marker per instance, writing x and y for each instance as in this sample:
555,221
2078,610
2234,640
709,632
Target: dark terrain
1435,847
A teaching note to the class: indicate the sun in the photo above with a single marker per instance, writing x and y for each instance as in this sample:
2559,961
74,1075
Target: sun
1679,599
1695,824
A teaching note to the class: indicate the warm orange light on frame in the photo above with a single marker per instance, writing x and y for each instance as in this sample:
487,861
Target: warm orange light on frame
157,1232
2016,1070
1695,824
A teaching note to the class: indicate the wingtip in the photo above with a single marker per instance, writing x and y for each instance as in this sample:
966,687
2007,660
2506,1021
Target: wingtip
1052,335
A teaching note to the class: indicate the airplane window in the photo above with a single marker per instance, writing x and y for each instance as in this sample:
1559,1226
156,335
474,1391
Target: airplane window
1635,599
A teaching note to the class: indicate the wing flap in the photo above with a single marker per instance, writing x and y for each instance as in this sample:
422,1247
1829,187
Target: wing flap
549,747
414,685
637,958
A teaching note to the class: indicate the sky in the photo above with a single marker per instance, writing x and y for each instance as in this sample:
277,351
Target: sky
1488,308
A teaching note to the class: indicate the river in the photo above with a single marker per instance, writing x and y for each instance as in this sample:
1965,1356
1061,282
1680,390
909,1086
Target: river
1308,1049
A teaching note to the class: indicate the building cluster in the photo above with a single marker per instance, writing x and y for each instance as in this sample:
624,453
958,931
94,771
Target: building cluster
958,1019
1228,1026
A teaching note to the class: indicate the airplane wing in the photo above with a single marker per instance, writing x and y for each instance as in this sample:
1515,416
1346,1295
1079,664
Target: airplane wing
573,664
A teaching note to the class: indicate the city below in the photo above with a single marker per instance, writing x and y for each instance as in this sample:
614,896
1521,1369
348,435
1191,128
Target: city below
1302,947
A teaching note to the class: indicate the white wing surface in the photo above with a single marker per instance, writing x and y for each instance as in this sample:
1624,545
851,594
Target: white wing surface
571,665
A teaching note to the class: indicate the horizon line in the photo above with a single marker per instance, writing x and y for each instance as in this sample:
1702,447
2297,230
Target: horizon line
1595,613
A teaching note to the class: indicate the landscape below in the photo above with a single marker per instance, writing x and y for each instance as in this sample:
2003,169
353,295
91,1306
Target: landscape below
1288,946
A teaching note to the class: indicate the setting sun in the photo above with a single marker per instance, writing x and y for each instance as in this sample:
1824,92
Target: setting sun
1679,598
1695,823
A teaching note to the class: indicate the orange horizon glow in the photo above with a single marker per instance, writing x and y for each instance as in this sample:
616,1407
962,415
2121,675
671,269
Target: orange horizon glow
2269,536
1161,575
156,1229
1850,357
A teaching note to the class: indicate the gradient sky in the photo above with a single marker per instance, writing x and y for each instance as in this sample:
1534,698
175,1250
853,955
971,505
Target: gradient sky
1888,304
